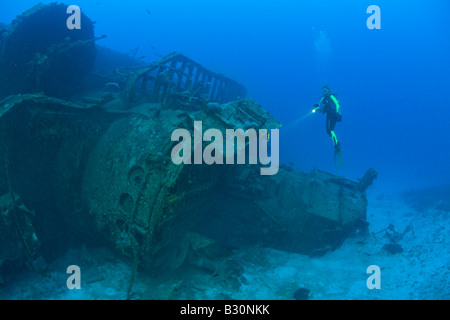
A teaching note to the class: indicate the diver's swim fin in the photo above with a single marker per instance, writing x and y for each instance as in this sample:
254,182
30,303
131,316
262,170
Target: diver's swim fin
338,153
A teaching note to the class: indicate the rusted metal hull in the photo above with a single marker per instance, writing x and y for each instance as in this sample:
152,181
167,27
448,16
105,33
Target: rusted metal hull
108,176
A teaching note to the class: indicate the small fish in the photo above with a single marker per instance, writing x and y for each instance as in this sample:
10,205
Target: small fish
148,12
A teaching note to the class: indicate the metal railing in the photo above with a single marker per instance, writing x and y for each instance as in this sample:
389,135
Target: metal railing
177,74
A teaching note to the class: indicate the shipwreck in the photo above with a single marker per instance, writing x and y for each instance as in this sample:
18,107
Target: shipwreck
85,156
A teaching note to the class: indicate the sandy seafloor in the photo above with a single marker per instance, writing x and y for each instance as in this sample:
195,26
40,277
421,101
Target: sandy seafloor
421,271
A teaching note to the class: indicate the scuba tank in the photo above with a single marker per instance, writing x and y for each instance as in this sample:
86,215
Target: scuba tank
339,111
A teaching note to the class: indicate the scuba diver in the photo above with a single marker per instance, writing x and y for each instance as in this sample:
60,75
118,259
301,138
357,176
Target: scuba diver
330,106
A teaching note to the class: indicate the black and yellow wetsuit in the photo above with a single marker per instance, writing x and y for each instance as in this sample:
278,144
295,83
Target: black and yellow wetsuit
330,107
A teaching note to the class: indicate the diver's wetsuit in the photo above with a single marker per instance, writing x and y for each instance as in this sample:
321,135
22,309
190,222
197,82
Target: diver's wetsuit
329,105
331,121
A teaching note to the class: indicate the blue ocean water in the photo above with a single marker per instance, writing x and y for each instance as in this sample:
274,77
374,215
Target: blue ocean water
392,83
